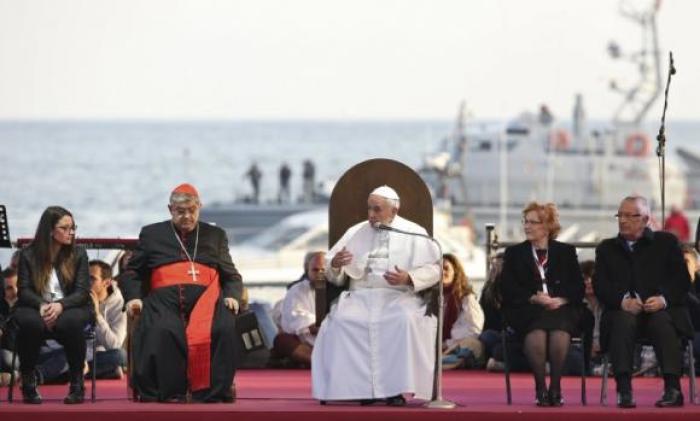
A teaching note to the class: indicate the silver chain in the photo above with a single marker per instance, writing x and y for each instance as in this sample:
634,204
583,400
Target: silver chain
182,245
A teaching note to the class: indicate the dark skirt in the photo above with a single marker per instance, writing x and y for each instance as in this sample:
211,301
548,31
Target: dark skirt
531,317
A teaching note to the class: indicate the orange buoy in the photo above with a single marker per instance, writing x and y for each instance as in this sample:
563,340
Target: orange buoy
637,144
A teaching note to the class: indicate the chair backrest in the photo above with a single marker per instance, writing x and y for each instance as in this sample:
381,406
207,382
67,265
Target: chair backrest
4,229
348,203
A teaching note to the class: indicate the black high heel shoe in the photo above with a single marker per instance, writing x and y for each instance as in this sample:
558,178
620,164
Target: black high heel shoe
542,398
555,398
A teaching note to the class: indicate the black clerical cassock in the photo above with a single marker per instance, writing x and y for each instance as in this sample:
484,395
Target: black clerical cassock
185,339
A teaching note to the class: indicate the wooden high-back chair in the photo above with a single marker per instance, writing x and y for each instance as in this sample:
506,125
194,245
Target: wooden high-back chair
348,206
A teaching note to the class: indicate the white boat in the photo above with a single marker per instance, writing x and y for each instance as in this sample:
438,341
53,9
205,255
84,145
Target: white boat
492,172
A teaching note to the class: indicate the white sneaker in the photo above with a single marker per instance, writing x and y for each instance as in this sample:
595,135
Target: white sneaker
493,365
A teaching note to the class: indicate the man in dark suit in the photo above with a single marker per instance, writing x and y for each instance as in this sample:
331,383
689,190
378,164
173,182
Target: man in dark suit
641,280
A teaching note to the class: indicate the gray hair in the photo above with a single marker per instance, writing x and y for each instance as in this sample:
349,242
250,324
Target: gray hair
642,203
309,256
177,198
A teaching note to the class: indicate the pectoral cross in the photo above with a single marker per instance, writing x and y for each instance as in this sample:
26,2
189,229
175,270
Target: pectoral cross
194,272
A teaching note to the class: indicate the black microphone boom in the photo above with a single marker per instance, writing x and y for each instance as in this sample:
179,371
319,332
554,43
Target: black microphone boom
661,138
383,227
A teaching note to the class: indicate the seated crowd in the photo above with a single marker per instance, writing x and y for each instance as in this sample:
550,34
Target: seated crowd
640,285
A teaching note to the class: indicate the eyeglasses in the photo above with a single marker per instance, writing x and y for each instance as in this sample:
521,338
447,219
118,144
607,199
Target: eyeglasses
68,228
628,216
530,222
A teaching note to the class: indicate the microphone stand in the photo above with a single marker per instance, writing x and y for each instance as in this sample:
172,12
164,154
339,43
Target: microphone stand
437,402
661,138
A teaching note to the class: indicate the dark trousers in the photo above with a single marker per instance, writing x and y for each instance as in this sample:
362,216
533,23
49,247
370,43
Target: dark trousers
658,327
68,331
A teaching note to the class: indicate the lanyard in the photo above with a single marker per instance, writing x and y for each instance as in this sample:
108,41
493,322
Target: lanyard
541,268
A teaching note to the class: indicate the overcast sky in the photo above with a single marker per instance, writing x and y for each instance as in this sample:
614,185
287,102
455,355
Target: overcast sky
377,59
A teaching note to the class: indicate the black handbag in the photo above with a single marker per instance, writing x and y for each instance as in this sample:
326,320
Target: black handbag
249,333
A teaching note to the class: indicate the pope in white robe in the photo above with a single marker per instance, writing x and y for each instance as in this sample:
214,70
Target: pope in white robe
377,342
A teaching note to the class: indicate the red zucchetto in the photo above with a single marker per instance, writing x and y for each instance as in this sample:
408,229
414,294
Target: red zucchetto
186,188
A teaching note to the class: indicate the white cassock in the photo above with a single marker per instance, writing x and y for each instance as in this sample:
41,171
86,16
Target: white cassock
377,342
299,311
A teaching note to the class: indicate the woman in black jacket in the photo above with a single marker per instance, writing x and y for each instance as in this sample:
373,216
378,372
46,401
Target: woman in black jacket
542,289
53,296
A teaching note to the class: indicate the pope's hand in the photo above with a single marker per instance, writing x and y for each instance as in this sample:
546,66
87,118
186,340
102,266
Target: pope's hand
342,258
133,307
232,304
400,277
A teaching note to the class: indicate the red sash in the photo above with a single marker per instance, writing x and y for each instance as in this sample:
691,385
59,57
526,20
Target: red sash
198,331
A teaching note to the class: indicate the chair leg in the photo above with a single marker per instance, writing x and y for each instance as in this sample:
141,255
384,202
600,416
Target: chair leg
506,366
11,387
691,371
604,382
583,374
93,376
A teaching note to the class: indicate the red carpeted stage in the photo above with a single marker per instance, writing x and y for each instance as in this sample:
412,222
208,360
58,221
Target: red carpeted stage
270,395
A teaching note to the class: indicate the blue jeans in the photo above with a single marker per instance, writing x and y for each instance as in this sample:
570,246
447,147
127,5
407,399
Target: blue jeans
52,364
6,360
108,361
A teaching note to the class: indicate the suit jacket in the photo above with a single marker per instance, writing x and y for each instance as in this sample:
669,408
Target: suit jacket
75,294
654,267
520,278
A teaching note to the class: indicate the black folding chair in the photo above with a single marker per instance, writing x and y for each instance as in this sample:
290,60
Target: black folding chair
575,340
687,345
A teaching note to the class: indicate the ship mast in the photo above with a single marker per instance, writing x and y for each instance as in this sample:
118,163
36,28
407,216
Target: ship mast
638,98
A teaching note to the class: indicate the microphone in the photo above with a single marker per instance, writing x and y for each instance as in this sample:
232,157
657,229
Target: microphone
672,67
382,227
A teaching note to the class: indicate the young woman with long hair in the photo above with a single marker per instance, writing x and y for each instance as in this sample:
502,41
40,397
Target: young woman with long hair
54,287
464,318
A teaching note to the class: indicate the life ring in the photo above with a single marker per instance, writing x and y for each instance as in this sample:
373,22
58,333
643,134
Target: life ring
560,139
637,144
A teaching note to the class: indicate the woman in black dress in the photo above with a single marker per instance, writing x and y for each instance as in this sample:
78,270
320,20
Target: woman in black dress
542,289
54,287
